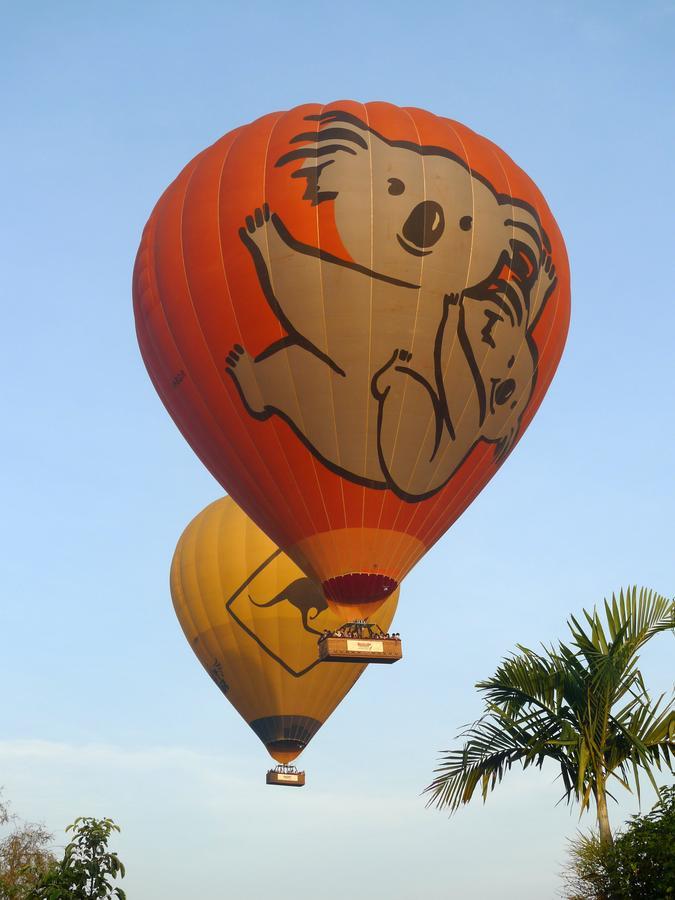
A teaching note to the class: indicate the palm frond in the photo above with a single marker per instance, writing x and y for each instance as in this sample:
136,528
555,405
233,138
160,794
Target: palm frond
584,706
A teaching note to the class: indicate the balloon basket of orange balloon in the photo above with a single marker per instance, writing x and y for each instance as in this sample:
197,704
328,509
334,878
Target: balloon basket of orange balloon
359,642
286,776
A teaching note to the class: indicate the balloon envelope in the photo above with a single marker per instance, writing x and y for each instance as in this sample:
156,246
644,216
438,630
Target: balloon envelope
352,312
253,620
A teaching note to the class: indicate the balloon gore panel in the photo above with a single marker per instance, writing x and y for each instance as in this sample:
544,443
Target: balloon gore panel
352,312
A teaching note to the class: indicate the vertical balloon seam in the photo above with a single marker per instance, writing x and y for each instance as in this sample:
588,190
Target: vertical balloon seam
529,200
209,417
200,532
311,686
351,523
421,510
277,676
176,580
340,481
191,576
537,202
396,543
277,680
262,692
268,698
413,122
178,597
146,333
289,435
188,570
557,296
448,125
364,488
207,353
154,362
273,684
278,671
471,169
246,646
239,412
198,529
248,630
384,494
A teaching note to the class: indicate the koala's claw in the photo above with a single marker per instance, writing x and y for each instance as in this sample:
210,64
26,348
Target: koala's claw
261,214
548,265
241,369
234,356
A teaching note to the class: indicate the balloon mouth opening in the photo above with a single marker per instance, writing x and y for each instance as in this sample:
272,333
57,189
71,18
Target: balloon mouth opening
359,587
285,750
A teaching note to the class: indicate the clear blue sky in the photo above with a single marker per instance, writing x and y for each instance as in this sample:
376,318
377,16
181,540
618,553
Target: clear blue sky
104,709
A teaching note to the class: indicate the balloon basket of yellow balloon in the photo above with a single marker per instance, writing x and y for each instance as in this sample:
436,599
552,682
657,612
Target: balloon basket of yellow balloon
360,642
287,776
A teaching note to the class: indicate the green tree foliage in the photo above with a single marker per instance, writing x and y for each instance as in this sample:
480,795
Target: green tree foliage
25,857
88,868
582,705
640,864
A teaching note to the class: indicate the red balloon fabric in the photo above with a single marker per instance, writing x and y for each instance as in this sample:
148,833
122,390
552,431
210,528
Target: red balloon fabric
352,312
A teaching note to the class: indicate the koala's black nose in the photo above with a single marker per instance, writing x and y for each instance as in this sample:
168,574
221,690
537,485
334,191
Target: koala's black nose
425,224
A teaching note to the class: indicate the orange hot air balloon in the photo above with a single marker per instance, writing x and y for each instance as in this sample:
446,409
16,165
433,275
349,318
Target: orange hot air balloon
253,619
352,312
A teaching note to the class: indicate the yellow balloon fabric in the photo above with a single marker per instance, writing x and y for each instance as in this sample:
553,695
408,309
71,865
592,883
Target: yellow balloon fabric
253,619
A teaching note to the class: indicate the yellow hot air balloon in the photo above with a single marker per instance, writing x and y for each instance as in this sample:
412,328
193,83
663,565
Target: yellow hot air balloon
253,619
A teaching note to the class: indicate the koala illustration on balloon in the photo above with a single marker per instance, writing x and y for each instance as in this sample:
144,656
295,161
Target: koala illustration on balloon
400,356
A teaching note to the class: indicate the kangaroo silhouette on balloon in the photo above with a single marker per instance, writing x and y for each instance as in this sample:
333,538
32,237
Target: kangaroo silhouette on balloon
400,356
305,596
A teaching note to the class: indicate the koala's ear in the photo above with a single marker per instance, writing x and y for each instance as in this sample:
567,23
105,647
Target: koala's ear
333,144
320,185
531,261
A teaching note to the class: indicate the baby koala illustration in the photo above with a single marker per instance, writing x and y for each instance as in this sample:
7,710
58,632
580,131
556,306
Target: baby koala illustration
401,356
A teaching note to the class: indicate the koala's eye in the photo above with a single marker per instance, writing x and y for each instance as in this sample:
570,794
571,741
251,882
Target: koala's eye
504,391
396,186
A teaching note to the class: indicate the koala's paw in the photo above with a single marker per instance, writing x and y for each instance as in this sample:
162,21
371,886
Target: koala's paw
256,224
383,378
241,369
547,267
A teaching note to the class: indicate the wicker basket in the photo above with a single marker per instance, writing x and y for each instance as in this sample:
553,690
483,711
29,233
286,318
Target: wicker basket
371,650
286,776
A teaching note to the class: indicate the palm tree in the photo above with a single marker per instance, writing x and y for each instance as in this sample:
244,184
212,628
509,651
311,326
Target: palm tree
582,705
